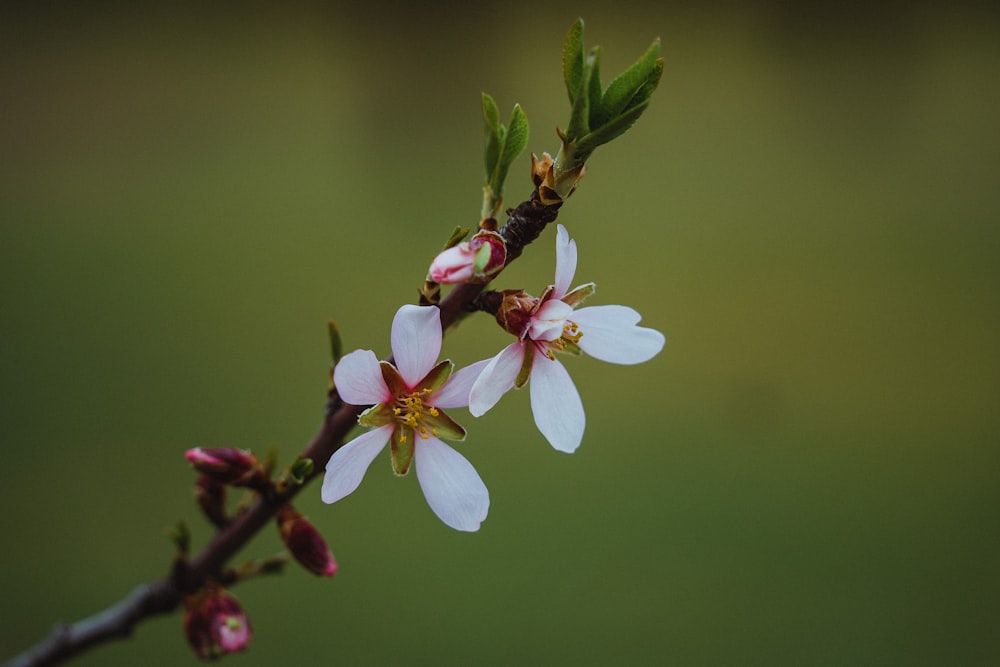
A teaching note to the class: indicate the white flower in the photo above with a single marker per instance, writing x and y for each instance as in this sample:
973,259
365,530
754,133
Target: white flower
407,400
553,324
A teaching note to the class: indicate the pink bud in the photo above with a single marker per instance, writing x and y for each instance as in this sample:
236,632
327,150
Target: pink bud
215,623
470,261
305,543
228,465
453,265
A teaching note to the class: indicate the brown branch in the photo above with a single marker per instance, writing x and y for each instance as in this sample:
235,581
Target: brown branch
524,225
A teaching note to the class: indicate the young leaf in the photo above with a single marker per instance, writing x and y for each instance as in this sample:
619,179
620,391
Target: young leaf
622,92
515,141
572,60
492,128
579,119
596,115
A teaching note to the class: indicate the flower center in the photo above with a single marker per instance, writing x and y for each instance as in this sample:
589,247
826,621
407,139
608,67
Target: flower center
571,335
411,411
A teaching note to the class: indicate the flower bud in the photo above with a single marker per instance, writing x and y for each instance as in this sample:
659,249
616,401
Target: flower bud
476,260
305,543
228,465
215,623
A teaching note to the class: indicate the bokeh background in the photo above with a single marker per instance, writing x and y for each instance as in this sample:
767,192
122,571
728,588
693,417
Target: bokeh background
808,474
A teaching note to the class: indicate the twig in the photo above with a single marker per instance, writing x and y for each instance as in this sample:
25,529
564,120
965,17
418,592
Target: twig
524,225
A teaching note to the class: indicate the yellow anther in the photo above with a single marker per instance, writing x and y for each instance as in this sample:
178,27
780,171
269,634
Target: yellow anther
571,332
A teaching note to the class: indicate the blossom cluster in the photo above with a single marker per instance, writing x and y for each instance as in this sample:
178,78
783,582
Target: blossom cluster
409,393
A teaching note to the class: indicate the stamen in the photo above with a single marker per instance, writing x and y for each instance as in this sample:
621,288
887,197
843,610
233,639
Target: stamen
571,332
410,411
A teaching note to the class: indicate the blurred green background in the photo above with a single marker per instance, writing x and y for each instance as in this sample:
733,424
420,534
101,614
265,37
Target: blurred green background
808,474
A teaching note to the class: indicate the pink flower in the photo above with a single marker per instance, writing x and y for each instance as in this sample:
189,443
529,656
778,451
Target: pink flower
478,259
553,324
407,400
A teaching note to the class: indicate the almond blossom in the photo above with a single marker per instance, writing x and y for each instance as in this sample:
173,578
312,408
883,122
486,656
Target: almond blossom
551,324
407,397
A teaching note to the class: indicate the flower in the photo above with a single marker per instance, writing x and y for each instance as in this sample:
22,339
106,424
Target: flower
478,259
215,623
305,543
553,324
407,397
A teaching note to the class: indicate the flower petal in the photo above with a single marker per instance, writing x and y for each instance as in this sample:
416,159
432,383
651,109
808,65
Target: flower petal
565,261
416,341
496,379
451,485
455,392
548,321
610,334
358,379
347,467
453,265
556,404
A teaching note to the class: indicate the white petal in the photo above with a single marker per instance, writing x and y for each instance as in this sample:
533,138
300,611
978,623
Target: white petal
451,485
610,334
416,341
548,322
358,379
496,379
455,392
565,262
556,404
347,467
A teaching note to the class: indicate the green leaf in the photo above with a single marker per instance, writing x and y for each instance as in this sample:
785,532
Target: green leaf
515,138
493,130
610,131
595,116
579,120
629,87
572,59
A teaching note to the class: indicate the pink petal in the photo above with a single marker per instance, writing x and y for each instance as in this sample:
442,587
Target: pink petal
358,379
416,341
455,392
347,467
556,404
453,265
496,379
451,485
610,334
565,262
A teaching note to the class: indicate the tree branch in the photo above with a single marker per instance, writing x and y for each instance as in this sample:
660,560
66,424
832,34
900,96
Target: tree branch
525,223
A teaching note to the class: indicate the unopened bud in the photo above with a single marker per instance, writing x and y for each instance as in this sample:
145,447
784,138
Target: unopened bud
476,260
228,465
305,543
215,623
